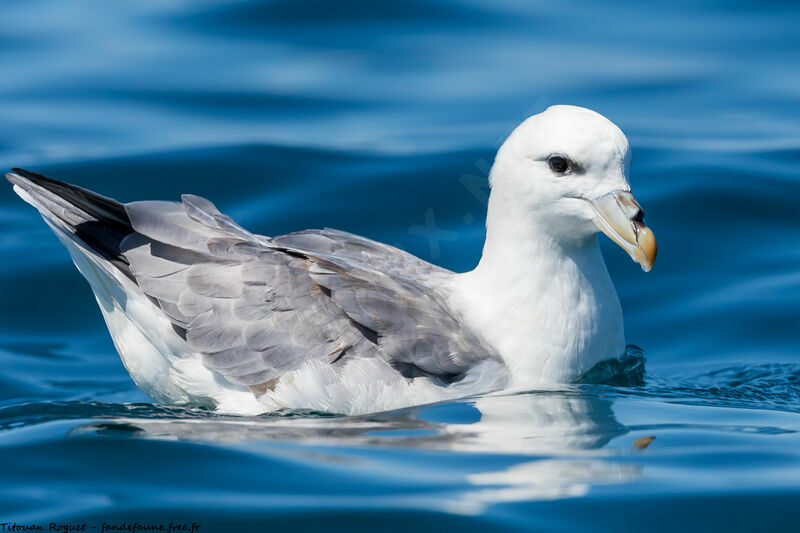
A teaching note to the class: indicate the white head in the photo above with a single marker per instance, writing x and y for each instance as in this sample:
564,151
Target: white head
565,171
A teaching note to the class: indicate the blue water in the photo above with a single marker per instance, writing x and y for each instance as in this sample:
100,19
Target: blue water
381,118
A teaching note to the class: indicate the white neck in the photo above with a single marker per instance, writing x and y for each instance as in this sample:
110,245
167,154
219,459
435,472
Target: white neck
547,306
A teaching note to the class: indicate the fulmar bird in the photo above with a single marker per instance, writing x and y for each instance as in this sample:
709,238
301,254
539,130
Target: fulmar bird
204,312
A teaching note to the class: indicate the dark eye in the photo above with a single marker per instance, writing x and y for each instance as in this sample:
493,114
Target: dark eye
558,164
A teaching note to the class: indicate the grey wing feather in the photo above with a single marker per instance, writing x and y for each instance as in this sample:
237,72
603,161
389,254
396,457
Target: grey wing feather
257,308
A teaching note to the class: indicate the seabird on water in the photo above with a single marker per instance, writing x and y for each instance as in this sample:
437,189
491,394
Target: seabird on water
204,312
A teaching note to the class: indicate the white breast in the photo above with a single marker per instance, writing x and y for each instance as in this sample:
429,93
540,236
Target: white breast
551,319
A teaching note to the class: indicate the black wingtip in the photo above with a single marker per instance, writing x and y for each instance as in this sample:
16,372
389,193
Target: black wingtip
102,223
26,175
100,207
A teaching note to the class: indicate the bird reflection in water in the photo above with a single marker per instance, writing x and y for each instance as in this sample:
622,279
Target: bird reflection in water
552,444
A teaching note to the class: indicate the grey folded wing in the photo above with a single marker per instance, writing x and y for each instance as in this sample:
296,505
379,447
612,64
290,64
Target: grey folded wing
256,308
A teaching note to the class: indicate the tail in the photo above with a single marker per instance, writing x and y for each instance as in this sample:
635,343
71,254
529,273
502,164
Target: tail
95,223
92,227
